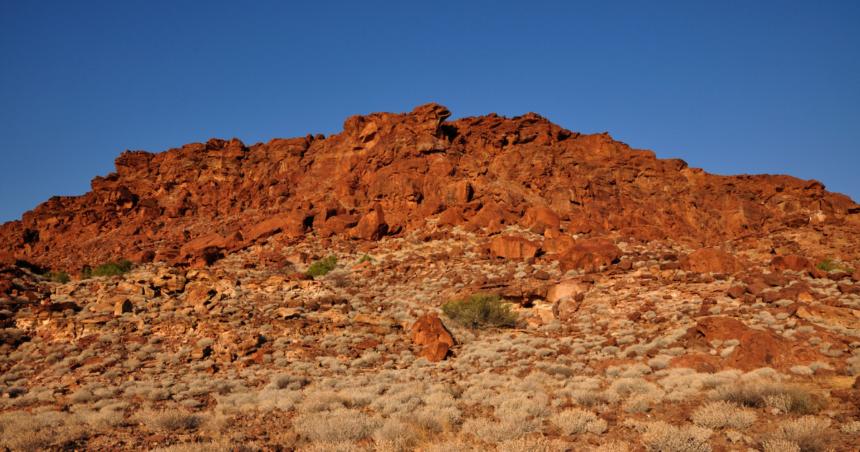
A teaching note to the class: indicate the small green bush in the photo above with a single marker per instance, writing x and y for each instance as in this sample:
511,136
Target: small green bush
60,276
481,311
322,266
107,269
366,258
827,265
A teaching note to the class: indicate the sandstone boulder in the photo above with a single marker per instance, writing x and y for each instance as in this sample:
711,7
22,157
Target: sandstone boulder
512,247
429,329
756,349
540,216
791,262
711,260
341,223
589,254
372,226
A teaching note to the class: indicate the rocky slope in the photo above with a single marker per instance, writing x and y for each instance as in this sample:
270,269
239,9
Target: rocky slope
412,168
660,308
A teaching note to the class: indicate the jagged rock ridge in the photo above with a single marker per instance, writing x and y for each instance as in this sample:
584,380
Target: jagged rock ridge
386,174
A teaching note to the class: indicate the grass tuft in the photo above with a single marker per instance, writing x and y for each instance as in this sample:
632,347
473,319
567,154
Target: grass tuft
481,311
107,269
322,266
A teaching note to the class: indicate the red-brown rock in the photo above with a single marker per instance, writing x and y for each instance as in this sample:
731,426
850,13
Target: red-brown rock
512,247
372,226
591,253
711,260
435,352
142,257
492,167
429,329
756,349
540,216
794,263
341,223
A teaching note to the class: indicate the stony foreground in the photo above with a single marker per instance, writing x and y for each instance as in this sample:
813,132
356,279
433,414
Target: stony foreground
243,356
660,308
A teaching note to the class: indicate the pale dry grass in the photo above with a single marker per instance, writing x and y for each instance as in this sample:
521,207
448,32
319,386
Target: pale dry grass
662,437
574,421
723,414
807,432
340,425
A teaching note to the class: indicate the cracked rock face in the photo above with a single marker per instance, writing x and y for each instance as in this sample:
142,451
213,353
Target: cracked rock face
286,296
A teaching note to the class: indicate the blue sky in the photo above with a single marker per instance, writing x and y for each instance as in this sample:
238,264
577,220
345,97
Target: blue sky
731,87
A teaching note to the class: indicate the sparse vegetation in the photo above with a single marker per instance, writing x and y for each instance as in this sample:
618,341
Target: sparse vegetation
723,414
59,277
806,432
107,269
481,311
322,266
366,258
761,393
662,437
828,265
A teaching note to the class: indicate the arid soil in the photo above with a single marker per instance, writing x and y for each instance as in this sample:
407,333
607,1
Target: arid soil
660,308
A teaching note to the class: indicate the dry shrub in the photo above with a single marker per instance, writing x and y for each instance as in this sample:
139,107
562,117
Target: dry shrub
334,447
452,445
723,414
807,432
394,436
638,403
339,278
215,446
761,393
340,425
21,431
539,444
662,437
169,420
613,446
851,428
780,445
492,432
574,421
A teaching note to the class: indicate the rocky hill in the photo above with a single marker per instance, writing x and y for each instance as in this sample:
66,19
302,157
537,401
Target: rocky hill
413,169
305,294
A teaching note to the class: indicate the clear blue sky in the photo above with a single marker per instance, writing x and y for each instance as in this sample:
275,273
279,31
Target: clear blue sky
732,87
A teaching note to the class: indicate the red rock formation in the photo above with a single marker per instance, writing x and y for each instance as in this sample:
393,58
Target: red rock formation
431,333
589,254
511,247
488,169
710,260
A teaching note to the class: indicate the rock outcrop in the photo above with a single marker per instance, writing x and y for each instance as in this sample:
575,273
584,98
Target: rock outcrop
385,172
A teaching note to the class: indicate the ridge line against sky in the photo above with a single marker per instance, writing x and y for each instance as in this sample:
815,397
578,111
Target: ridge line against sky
730,87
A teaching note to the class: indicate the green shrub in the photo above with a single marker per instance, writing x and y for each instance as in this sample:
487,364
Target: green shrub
60,276
827,265
322,266
481,311
107,269
366,258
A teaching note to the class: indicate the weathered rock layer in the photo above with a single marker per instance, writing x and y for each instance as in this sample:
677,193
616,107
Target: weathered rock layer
390,173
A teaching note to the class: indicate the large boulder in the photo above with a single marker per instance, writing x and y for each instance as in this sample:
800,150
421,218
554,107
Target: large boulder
589,254
428,331
540,215
791,262
341,223
564,289
372,226
711,260
512,247
756,349
265,229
